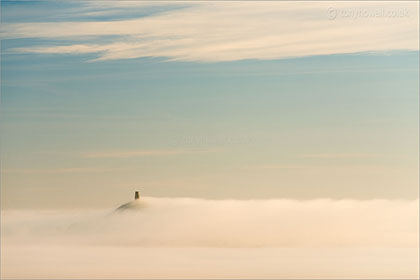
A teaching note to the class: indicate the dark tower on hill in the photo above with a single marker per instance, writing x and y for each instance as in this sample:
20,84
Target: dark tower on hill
135,204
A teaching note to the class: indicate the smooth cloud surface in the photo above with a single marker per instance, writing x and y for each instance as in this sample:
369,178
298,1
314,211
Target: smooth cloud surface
227,223
269,236
224,31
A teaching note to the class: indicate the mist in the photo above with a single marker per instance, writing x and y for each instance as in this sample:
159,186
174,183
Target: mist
227,238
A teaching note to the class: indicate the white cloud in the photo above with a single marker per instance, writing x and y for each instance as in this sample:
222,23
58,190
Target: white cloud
226,223
197,238
226,31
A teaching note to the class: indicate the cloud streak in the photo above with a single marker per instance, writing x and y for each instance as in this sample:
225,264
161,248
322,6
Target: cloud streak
341,156
142,153
59,170
231,31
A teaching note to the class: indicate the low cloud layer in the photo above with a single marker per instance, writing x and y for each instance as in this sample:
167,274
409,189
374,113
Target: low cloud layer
225,223
197,238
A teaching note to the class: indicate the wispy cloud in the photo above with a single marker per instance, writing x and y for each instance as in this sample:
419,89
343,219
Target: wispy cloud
276,166
341,155
58,170
314,156
224,31
142,153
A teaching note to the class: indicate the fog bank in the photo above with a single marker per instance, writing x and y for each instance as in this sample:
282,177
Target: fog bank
216,238
224,223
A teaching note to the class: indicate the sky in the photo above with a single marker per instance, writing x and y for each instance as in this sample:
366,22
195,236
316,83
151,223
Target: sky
268,139
213,100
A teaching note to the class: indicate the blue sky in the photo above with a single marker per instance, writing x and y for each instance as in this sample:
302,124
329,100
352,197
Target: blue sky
221,119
